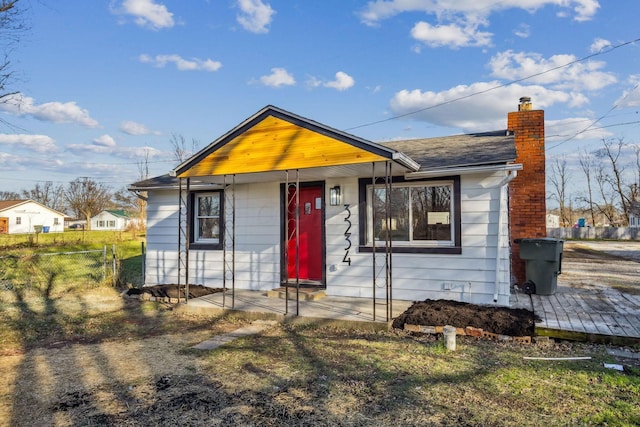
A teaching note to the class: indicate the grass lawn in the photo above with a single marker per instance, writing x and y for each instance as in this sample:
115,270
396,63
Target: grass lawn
93,358
80,258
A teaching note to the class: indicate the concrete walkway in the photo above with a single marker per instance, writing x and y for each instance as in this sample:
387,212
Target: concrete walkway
328,307
255,327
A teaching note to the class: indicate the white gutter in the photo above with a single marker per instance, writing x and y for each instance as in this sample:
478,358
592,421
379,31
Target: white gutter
405,161
462,170
505,181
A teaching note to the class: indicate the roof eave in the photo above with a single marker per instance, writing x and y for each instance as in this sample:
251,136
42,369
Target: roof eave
466,170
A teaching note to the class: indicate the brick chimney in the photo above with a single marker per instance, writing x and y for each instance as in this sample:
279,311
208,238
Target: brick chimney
527,193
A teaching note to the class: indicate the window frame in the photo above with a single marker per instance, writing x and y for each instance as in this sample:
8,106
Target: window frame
208,244
455,247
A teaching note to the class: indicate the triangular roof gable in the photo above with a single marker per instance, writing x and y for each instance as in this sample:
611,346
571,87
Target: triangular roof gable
9,204
276,140
117,213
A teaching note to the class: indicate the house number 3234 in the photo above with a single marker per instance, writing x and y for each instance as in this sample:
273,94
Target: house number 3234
347,236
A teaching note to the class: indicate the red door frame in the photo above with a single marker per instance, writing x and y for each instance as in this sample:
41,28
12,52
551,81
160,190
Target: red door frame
288,262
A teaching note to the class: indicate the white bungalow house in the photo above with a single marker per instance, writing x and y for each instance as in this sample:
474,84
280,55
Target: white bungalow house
28,216
111,220
281,198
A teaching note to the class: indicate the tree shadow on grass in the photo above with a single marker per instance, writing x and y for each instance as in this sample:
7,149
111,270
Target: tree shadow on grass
69,358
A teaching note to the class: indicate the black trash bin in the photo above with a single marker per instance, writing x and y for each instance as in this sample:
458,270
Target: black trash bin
543,264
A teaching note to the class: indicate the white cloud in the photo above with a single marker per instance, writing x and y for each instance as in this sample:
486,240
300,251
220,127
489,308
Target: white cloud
452,35
133,128
458,22
255,16
56,112
342,82
630,98
148,14
478,107
558,71
194,64
576,128
104,141
599,45
13,163
585,9
523,31
38,143
469,10
106,145
278,77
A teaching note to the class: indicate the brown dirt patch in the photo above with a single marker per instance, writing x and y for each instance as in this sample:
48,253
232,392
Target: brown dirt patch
516,322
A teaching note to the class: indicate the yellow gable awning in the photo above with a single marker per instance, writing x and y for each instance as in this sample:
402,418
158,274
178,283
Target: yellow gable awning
274,140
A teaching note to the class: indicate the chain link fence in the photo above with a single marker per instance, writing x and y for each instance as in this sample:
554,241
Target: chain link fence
82,268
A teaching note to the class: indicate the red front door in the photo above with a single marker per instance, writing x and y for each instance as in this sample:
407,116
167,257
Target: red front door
309,244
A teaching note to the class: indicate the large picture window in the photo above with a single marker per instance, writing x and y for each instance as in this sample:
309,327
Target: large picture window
423,216
207,220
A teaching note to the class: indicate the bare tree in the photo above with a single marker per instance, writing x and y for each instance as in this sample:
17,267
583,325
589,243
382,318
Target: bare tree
143,166
612,149
180,150
9,195
12,27
47,194
124,200
587,164
559,179
606,206
86,198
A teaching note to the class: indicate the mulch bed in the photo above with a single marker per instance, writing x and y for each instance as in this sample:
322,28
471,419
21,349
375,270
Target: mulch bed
171,291
515,322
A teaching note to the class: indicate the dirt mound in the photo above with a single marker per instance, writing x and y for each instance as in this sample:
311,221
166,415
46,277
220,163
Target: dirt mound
172,291
516,322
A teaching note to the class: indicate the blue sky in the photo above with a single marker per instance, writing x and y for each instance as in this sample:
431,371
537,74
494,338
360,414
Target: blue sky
104,85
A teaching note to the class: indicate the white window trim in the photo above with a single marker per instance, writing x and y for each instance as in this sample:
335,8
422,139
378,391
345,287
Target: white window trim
196,218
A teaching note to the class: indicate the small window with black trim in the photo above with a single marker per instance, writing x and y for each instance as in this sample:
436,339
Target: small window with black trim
207,218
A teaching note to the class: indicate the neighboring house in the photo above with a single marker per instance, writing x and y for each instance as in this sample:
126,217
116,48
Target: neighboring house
112,220
28,216
283,199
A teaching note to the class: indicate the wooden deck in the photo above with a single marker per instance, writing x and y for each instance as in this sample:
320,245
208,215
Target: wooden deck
603,315
587,305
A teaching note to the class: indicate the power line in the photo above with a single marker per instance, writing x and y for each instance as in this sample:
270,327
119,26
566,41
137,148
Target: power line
598,119
602,51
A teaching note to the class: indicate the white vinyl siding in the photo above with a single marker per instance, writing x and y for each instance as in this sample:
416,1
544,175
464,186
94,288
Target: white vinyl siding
467,276
257,240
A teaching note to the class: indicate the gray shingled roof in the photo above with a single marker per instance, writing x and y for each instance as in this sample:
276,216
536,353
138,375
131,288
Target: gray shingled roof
476,149
165,180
